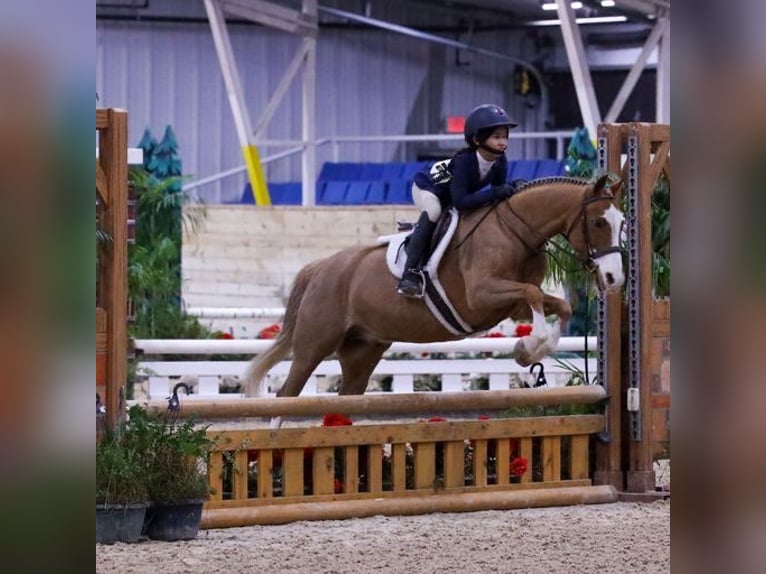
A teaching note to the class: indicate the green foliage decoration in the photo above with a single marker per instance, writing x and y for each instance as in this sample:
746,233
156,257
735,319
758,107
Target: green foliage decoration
154,270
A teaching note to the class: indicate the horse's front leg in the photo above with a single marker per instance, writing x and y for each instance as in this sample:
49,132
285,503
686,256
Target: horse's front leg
499,293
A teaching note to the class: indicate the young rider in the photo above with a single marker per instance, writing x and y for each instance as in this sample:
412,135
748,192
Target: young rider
460,182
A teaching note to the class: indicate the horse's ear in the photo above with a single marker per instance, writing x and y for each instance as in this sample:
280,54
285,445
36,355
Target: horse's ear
600,184
617,188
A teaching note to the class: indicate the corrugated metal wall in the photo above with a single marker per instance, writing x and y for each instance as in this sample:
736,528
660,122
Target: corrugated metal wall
369,82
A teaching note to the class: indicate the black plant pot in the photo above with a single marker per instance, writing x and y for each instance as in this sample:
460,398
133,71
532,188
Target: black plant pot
119,523
173,521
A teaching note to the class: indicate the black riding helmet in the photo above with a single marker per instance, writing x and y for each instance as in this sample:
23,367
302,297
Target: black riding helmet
483,120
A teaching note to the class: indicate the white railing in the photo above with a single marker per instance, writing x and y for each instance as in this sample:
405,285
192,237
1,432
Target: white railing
449,374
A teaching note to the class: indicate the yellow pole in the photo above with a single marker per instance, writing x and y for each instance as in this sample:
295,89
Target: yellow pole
255,175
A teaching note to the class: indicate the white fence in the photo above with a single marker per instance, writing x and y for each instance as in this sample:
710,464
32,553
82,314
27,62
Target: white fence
455,373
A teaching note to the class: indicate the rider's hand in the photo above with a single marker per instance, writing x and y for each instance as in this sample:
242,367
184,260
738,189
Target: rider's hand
502,191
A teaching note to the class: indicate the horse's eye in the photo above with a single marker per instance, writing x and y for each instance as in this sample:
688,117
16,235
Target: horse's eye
599,223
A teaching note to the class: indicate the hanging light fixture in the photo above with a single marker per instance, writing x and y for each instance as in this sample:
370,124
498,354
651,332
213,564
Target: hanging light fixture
550,6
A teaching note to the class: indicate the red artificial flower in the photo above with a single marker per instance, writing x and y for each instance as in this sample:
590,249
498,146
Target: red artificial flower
437,420
270,332
523,329
483,418
336,420
494,334
337,486
222,335
519,466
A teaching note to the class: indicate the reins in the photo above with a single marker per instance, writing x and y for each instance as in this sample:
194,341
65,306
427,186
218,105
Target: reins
483,217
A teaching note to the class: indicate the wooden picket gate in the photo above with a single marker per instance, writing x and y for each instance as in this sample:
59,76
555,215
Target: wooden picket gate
265,476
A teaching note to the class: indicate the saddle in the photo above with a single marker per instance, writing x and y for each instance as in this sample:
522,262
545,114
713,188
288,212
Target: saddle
435,298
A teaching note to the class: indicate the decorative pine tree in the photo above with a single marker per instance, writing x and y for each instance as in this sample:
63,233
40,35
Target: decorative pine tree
581,155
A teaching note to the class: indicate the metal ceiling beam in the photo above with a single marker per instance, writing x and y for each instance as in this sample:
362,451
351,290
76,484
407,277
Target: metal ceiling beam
309,165
413,33
578,63
303,22
635,72
279,93
663,77
647,7
237,100
272,15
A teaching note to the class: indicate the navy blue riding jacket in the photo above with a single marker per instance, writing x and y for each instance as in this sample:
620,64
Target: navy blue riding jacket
456,181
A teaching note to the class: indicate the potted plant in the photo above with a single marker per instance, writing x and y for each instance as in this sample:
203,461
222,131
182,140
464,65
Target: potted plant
175,457
121,494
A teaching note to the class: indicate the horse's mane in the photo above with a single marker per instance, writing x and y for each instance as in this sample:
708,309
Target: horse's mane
549,180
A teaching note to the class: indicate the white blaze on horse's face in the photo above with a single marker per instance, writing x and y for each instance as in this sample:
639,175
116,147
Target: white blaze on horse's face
610,270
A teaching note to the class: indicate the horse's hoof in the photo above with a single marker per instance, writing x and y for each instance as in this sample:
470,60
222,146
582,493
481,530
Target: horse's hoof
521,354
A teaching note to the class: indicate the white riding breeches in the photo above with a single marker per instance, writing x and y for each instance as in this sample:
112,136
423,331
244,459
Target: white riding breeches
427,201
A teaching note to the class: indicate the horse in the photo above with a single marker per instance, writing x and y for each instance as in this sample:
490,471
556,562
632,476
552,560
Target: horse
346,304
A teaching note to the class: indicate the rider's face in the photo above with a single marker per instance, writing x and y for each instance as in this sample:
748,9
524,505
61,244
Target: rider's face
497,142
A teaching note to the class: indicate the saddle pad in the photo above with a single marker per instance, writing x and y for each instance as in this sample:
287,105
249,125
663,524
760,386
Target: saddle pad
436,298
396,255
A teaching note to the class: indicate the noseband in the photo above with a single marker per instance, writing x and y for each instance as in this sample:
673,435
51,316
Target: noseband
589,262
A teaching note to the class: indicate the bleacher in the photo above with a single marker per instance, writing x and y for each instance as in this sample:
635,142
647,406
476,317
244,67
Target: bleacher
344,183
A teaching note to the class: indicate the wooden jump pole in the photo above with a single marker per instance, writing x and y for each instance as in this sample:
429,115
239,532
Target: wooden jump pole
465,502
387,403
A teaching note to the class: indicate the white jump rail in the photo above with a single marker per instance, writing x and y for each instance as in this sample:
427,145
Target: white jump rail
257,346
455,373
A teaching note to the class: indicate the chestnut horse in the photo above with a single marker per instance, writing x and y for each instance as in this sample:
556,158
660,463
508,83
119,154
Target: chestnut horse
347,303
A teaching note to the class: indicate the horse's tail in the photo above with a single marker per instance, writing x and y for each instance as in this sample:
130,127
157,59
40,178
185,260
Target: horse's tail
283,344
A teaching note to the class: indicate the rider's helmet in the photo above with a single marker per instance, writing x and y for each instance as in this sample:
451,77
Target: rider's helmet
483,120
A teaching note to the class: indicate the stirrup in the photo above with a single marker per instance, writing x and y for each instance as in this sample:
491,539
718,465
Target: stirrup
412,284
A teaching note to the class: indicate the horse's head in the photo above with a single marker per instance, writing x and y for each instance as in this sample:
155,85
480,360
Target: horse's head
595,233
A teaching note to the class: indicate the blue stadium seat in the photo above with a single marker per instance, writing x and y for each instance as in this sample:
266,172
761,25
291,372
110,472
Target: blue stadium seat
341,171
399,191
357,192
334,193
523,169
247,196
293,194
319,191
549,168
391,170
285,193
371,171
276,190
376,194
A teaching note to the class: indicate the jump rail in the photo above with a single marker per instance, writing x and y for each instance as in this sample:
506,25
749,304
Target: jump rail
450,374
256,346
384,404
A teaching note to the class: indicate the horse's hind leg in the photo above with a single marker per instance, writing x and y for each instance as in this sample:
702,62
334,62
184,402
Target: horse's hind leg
305,360
358,358
310,348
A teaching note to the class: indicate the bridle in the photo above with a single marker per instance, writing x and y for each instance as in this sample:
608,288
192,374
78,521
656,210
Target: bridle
589,261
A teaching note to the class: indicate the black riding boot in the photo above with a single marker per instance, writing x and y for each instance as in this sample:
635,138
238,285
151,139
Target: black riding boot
411,284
